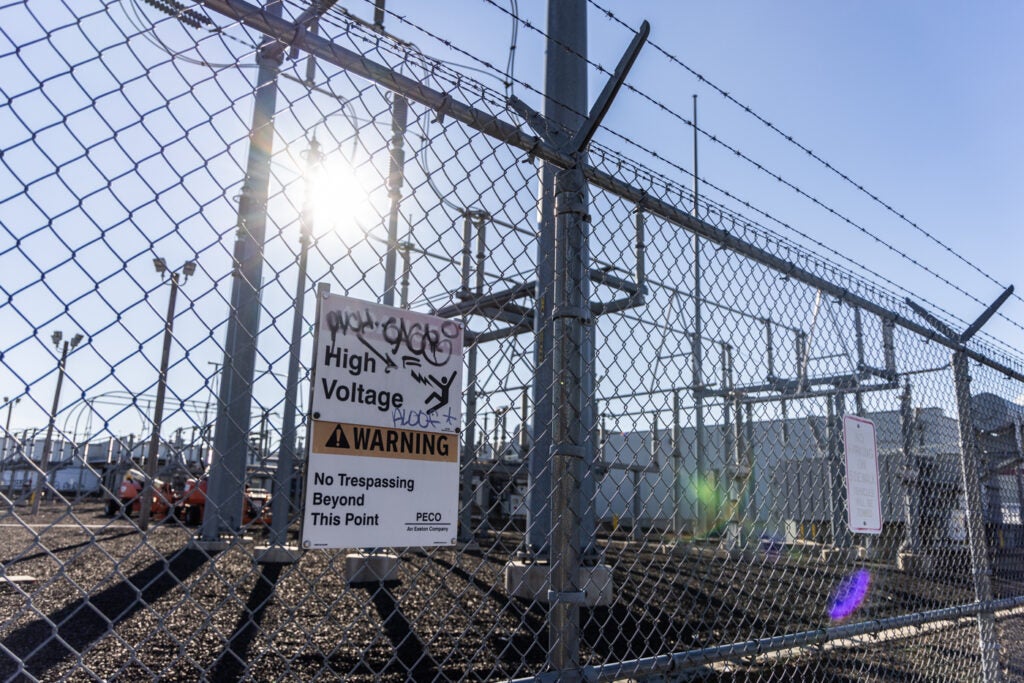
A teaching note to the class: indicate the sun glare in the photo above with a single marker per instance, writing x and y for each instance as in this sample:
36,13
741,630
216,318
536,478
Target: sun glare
341,198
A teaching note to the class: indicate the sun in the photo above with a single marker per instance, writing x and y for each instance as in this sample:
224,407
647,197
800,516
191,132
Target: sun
340,198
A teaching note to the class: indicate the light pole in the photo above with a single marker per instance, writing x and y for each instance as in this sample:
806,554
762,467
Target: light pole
44,462
161,387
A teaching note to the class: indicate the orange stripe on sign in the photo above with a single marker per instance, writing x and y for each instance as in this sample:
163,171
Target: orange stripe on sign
335,438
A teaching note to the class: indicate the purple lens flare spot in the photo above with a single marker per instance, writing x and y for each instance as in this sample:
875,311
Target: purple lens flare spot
850,595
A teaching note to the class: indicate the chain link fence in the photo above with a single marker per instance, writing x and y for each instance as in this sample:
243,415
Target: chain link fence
653,474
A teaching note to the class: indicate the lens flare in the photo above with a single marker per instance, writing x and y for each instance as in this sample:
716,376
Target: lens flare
850,595
707,492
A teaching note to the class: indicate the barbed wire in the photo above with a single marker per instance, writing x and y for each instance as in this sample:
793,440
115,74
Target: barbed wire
803,148
410,51
764,169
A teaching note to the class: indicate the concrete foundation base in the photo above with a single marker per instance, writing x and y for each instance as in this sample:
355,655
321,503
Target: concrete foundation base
210,547
843,555
374,568
277,554
915,563
531,580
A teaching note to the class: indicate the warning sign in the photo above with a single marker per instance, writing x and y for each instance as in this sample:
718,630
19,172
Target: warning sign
388,367
864,500
383,463
404,444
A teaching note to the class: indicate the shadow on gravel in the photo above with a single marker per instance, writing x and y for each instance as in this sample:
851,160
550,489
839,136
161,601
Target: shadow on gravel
231,665
415,661
50,552
45,642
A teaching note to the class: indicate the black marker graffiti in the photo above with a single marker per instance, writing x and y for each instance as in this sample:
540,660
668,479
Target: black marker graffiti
434,345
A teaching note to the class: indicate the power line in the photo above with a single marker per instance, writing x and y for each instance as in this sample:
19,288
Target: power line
803,148
411,52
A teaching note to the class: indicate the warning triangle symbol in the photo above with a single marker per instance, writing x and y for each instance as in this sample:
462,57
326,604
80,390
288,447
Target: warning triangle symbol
337,439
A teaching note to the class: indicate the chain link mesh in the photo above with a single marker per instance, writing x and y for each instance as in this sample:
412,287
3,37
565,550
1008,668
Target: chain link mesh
669,500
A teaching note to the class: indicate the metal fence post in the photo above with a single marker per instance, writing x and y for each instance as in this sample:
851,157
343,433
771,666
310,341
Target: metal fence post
842,538
565,303
565,84
234,407
911,474
570,311
981,569
396,178
283,503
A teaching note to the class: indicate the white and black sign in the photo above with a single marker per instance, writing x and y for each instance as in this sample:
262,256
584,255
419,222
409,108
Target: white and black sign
383,462
369,486
388,367
863,494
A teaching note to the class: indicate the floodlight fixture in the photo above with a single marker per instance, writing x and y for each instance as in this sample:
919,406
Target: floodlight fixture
160,265
189,268
56,337
76,340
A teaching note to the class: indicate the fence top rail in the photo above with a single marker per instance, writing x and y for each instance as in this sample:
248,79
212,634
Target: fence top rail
298,36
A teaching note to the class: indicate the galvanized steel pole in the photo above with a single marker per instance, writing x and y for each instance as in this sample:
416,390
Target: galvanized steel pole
282,504
981,568
396,178
563,303
234,409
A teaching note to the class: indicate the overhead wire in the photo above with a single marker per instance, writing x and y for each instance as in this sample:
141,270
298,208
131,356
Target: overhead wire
431,63
764,169
790,139
148,32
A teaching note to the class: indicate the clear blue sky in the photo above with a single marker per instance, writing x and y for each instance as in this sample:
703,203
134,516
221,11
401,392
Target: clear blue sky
919,102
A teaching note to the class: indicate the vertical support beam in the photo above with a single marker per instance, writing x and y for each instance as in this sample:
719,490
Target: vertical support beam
283,504
396,178
728,435
889,345
44,461
677,464
842,538
405,248
565,87
470,453
737,536
802,349
911,476
153,457
524,437
1019,468
750,505
981,569
858,328
697,357
234,408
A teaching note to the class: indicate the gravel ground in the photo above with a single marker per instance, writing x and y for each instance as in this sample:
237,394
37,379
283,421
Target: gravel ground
111,603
